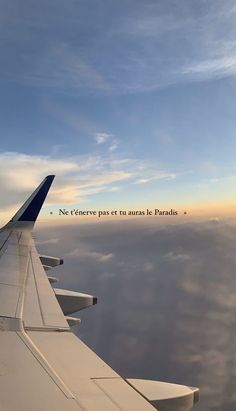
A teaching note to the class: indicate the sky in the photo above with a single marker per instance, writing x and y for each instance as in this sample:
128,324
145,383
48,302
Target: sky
131,104
166,299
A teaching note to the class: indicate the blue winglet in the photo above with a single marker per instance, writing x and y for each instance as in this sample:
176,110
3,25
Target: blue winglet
31,208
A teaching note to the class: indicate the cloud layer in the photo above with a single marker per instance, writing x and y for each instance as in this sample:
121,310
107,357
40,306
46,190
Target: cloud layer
166,299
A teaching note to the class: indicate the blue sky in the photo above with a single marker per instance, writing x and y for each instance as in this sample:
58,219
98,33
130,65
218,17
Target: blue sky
130,103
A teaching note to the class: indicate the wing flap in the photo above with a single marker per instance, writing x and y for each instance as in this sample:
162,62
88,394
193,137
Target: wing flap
123,395
91,380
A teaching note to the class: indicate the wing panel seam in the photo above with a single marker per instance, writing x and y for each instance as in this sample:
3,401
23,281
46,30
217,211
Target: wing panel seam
37,291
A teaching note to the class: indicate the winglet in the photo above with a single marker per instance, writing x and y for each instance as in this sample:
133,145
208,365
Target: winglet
29,211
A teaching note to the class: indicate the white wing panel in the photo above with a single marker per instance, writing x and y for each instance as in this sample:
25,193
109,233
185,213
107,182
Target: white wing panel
9,296
41,308
77,361
14,269
4,234
32,312
14,263
24,286
24,384
94,384
123,394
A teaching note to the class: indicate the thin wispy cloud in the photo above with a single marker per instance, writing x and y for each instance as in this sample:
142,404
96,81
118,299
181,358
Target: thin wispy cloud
147,46
176,256
220,67
22,171
158,176
78,177
63,68
114,145
102,138
84,253
115,188
48,241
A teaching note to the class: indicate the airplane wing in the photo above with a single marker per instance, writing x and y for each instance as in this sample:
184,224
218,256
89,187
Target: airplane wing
43,365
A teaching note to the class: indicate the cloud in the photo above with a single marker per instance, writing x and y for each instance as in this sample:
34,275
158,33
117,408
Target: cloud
115,188
21,173
139,298
190,44
93,184
176,256
148,267
49,241
159,176
148,45
102,138
114,145
78,176
69,117
86,254
63,68
106,257
215,220
219,67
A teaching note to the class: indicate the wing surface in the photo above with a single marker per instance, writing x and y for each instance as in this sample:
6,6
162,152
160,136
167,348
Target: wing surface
43,365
